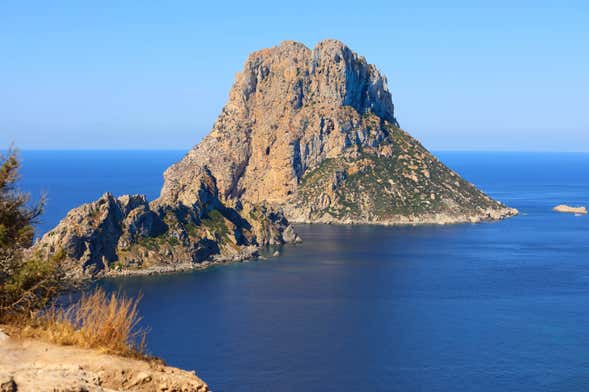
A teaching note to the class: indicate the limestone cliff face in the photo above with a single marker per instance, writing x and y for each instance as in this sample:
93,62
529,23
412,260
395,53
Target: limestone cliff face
288,110
129,235
314,132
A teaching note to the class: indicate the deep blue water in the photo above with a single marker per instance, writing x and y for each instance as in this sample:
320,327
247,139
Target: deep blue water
485,307
71,178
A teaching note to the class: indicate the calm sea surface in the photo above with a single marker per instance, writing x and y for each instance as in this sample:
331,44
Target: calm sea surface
489,307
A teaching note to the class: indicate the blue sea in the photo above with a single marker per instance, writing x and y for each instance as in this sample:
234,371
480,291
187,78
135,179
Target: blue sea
498,306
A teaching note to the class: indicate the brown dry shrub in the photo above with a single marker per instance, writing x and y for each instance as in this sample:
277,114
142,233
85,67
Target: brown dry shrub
97,320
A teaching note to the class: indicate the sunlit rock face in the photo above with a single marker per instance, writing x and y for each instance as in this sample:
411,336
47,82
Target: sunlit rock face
313,131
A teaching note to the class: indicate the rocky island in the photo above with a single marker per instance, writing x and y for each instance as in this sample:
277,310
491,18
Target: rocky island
571,210
307,135
313,132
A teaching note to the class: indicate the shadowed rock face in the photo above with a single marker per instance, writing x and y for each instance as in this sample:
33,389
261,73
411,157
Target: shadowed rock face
129,235
314,132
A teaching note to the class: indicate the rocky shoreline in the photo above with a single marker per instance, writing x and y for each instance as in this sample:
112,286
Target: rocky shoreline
434,219
189,266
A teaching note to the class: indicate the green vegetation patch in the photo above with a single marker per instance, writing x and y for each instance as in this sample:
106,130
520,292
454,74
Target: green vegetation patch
216,223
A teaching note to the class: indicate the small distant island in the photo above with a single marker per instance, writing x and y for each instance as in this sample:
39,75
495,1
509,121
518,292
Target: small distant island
571,210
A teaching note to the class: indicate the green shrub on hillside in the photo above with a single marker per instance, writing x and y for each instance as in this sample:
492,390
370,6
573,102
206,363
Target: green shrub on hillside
27,282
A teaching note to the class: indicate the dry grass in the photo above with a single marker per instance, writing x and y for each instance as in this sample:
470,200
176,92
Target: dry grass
107,322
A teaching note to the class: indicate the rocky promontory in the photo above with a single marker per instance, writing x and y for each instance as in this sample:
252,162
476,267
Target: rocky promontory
129,235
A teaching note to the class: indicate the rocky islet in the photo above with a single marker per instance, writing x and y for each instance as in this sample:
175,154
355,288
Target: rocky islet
307,135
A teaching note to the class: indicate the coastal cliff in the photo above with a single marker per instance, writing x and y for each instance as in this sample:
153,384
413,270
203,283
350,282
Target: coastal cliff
307,135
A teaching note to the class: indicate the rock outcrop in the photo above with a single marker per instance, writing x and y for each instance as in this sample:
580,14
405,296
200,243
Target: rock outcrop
571,210
33,365
128,235
314,132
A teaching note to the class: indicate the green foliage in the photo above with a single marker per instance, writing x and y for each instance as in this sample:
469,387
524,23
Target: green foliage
16,218
191,229
156,244
27,282
173,241
32,284
407,181
151,243
215,222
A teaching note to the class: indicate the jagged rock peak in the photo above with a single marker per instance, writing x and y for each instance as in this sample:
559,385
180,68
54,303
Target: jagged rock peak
330,73
128,235
290,103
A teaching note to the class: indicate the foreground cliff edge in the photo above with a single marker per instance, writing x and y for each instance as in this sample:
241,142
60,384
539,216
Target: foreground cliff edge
34,365
307,135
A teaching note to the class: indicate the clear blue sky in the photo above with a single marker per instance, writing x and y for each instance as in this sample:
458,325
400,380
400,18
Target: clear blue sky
154,75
